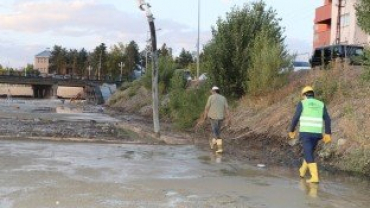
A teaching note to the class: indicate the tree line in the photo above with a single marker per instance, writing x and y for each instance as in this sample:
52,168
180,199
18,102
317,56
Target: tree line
99,63
103,63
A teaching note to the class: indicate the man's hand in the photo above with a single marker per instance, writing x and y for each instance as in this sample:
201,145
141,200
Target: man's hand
326,138
201,120
228,122
200,123
291,135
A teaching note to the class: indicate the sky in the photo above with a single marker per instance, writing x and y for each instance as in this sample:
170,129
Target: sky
28,27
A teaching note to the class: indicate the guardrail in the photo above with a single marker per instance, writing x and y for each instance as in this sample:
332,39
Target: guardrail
69,81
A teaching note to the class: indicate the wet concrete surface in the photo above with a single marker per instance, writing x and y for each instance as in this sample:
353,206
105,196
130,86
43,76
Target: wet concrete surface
53,174
53,110
56,120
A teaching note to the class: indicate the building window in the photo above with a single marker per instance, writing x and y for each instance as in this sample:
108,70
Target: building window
344,20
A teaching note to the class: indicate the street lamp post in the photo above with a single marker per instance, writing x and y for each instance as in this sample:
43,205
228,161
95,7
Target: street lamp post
89,71
99,73
121,65
146,50
198,40
146,7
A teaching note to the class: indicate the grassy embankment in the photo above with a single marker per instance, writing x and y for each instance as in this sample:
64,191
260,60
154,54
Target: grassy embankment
265,119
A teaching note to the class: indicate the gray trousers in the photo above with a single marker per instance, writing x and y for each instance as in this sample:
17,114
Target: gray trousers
216,127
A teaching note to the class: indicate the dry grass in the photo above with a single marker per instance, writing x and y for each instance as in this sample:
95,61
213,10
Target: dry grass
132,100
346,96
347,100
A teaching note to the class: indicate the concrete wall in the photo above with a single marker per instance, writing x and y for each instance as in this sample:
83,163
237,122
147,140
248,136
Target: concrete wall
18,90
69,92
23,90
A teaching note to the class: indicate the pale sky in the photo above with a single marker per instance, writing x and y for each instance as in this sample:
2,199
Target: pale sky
27,27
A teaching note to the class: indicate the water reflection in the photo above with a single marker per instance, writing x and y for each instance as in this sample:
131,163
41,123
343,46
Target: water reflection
58,109
311,189
66,110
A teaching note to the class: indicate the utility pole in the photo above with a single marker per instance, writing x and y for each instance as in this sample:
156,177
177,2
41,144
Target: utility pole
99,74
121,65
198,40
337,38
146,49
89,71
146,7
148,46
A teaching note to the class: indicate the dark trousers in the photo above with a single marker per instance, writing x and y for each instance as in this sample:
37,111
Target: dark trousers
216,128
309,142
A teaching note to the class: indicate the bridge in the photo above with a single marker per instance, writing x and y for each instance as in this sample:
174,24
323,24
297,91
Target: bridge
46,87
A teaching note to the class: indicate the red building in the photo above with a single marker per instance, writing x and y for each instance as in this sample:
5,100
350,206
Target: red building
323,25
336,23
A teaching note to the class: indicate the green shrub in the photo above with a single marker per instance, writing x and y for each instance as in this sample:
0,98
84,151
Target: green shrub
186,105
366,73
178,80
325,87
131,92
265,73
358,161
166,70
146,80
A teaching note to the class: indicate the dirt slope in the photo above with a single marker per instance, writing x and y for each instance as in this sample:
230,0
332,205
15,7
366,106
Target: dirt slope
260,124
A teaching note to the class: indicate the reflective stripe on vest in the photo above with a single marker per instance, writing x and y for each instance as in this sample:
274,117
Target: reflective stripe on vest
311,120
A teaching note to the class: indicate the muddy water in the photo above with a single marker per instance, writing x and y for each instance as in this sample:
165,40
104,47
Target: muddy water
46,175
52,110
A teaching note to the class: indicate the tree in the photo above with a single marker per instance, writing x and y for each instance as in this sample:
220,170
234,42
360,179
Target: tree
115,57
99,62
132,56
58,60
228,54
166,69
29,67
264,73
363,14
82,62
185,58
165,51
72,61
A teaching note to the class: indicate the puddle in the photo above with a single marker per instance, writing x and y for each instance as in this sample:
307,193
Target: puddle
43,110
91,175
68,110
59,110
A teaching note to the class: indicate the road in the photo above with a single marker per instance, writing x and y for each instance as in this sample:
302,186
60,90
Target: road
69,175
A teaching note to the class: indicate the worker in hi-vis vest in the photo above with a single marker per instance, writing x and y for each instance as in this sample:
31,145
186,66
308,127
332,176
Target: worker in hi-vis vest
312,115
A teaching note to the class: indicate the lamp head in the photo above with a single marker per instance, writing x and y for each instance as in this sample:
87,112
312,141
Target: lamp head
141,4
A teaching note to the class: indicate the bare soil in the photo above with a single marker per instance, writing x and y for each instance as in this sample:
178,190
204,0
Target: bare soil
260,124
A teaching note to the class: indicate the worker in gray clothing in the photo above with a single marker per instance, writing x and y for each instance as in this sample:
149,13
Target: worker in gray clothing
217,110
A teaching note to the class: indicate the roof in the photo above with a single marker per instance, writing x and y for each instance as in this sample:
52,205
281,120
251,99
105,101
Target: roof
45,53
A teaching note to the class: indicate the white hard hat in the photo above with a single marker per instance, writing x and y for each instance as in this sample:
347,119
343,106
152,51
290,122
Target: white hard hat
215,88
